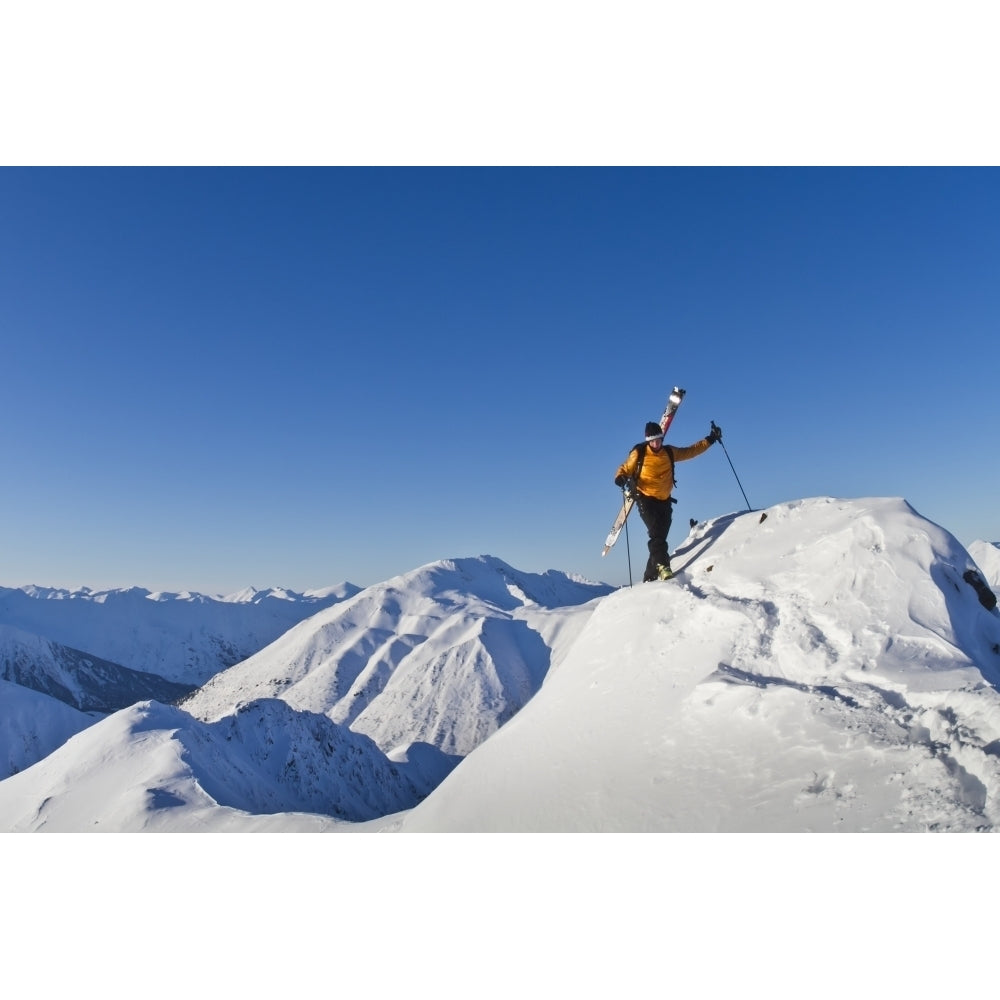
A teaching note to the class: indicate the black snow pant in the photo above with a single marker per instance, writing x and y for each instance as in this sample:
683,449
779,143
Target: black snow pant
656,515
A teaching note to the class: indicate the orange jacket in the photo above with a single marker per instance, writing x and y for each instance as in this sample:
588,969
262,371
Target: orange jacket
656,478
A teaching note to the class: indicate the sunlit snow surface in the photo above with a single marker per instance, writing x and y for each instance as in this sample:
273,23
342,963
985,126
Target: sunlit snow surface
826,669
987,556
823,668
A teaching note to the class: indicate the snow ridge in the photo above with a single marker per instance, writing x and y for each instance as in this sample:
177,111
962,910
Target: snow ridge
823,668
444,655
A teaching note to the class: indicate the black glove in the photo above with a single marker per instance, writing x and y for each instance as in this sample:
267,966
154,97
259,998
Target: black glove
715,434
627,483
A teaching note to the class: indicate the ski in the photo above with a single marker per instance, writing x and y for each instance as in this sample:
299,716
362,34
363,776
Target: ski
674,401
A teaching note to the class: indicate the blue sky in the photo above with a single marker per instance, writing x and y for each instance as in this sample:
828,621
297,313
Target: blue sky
292,377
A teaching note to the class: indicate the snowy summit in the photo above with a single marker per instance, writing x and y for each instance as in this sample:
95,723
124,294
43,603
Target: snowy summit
825,665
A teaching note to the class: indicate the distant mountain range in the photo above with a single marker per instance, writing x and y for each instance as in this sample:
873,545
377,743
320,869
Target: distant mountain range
184,638
69,656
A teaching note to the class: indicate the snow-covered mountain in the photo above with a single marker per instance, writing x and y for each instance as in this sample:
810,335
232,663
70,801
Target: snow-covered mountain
101,651
444,655
144,766
824,667
356,713
184,637
78,679
987,556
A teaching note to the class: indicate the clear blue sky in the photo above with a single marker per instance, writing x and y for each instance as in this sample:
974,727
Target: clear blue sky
294,377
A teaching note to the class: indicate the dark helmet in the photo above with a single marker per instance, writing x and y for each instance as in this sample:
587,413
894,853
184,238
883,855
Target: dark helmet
653,430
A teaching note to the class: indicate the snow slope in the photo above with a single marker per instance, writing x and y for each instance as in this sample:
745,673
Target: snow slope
823,668
443,655
184,637
80,680
153,768
32,725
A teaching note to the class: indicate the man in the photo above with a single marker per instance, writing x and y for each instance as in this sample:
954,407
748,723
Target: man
648,475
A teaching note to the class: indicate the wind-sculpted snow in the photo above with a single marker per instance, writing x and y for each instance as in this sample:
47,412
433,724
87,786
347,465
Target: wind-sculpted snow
185,638
444,655
827,668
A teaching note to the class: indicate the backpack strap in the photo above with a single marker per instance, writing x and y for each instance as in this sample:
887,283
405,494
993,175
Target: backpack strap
640,448
673,465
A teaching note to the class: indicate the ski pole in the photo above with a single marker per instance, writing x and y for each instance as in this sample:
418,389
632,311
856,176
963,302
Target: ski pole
730,461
